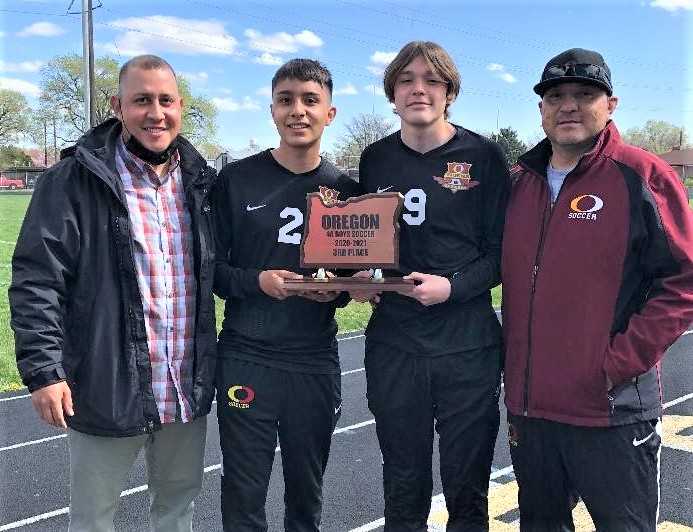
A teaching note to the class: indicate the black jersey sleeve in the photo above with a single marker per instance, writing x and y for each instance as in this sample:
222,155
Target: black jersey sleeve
484,273
229,281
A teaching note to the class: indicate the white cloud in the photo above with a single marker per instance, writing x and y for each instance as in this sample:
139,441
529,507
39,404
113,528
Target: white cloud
24,66
379,61
281,42
500,73
200,77
347,90
374,89
41,29
268,59
308,39
158,33
231,105
264,91
383,58
24,87
673,5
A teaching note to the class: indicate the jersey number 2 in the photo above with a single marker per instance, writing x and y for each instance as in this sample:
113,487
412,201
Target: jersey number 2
296,220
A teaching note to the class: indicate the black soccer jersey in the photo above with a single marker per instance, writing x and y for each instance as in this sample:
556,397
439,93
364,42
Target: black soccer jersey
260,208
451,225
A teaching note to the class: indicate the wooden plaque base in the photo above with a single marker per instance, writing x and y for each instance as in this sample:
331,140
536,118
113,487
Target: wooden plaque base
346,284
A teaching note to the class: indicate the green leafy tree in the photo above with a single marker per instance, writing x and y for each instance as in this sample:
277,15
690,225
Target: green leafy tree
61,92
656,136
510,143
13,116
199,115
13,156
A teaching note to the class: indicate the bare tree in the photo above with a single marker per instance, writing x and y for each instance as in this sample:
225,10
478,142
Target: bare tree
361,131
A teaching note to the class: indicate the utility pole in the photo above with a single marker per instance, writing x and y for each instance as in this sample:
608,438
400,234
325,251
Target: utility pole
88,59
45,143
55,143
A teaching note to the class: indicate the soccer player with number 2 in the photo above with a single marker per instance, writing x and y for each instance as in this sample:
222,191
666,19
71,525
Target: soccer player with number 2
278,370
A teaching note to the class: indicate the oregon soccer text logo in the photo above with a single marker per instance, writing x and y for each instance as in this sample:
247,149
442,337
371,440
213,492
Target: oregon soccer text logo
240,396
585,207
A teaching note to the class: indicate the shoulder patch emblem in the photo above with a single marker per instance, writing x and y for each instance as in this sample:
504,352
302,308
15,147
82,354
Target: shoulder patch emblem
457,177
328,196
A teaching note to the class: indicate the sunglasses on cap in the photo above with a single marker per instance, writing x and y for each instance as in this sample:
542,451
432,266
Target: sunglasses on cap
582,70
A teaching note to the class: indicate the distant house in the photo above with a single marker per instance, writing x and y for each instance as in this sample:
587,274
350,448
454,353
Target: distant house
681,161
39,158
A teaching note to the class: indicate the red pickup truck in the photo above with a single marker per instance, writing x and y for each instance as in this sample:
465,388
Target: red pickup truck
9,183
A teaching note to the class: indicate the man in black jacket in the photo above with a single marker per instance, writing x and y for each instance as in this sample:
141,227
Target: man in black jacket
112,307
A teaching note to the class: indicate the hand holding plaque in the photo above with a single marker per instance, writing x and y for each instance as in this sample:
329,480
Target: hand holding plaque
360,233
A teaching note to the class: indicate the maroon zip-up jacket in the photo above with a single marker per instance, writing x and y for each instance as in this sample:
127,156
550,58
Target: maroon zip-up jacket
600,284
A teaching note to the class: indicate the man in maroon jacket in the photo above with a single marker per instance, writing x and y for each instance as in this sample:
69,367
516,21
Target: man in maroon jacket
597,275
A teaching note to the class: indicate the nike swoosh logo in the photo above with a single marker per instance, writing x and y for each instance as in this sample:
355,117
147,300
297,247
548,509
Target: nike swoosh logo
254,207
336,410
637,442
384,189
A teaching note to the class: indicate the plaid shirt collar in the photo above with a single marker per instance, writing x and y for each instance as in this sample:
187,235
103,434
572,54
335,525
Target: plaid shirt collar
140,169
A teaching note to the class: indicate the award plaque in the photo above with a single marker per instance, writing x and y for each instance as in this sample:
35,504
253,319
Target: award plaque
360,233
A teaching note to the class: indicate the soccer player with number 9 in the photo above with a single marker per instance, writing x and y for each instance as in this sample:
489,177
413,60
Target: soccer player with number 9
435,357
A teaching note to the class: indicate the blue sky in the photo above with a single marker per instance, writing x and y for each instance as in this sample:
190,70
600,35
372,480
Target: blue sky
229,50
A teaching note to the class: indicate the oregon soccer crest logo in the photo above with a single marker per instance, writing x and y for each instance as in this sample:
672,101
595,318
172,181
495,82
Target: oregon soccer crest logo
240,396
585,207
457,177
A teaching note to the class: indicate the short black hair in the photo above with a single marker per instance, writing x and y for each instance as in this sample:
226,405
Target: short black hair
304,70
145,62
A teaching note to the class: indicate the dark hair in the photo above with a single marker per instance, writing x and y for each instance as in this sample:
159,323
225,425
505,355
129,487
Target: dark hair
145,62
438,59
304,70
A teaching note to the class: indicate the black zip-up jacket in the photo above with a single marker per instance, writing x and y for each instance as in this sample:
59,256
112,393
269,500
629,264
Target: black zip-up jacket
597,286
75,302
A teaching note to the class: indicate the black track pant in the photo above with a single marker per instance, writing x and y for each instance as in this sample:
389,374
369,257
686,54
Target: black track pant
407,394
255,404
615,470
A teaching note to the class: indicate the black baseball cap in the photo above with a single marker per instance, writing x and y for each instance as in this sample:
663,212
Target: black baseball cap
576,65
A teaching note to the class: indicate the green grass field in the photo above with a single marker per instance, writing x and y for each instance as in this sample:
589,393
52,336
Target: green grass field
12,208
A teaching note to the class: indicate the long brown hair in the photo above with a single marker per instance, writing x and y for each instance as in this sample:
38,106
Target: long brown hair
435,55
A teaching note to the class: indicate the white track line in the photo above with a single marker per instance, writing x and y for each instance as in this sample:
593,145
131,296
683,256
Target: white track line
338,339
338,431
15,398
381,522
32,442
62,511
677,401
343,373
42,440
